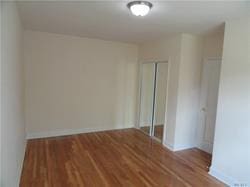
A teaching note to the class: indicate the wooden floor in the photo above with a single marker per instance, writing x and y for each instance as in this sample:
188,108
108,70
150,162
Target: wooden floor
158,131
112,158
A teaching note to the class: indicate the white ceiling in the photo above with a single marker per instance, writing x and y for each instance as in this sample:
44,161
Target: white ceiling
111,20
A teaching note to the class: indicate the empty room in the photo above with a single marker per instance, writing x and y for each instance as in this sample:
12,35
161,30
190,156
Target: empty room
125,93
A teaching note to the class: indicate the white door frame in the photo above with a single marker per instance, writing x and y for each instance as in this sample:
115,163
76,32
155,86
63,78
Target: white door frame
201,130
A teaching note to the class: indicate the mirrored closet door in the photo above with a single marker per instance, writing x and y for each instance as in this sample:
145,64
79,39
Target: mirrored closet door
147,97
153,92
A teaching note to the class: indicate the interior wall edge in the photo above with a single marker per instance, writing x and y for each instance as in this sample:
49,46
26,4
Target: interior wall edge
168,145
222,177
13,142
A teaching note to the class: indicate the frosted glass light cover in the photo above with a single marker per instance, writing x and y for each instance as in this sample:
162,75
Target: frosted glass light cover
140,9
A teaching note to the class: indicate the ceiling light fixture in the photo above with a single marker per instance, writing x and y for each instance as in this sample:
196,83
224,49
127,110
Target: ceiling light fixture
140,8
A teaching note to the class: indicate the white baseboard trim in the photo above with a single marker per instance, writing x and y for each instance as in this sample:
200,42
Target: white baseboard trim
168,146
174,148
182,147
222,177
206,146
65,132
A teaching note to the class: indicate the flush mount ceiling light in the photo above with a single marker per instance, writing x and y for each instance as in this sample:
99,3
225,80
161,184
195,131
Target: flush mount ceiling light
140,8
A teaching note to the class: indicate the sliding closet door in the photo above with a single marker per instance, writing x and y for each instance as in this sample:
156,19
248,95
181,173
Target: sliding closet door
160,99
147,97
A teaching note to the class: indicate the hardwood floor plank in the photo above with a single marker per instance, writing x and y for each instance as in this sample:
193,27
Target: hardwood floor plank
112,158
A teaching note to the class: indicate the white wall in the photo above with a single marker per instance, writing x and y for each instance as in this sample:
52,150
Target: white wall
231,153
213,45
167,49
184,53
12,97
78,84
188,91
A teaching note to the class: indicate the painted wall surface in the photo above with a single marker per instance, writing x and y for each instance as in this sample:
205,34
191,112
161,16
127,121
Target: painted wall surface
167,49
78,84
184,53
188,91
213,45
12,97
231,153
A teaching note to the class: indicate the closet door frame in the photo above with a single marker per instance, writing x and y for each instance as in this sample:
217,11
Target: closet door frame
151,132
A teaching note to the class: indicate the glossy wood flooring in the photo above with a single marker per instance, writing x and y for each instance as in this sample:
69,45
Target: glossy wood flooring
112,158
